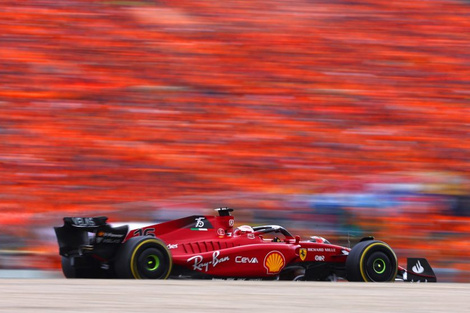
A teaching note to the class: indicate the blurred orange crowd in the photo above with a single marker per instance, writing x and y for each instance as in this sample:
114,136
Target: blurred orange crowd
123,107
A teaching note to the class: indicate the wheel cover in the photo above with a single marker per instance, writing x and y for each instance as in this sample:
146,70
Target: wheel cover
153,262
379,266
145,264
378,263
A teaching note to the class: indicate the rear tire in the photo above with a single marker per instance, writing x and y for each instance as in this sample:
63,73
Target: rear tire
143,258
371,261
67,268
84,271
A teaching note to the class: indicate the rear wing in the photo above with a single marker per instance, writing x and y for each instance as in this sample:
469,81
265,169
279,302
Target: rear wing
419,270
85,222
81,235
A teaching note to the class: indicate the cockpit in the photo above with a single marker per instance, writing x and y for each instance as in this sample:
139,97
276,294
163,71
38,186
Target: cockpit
267,233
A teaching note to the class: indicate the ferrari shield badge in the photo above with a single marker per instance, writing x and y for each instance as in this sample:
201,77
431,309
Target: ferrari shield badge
303,253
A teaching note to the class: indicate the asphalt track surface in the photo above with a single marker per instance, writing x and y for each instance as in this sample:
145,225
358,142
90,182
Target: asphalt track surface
62,295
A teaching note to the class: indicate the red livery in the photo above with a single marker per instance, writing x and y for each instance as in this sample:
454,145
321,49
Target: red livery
210,247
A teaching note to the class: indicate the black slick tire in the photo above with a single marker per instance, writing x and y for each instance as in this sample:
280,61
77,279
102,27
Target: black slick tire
371,261
89,270
143,257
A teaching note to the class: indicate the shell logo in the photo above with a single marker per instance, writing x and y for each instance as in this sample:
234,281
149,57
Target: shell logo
274,262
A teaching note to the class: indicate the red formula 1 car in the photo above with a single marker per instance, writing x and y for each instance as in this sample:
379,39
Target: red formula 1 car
210,247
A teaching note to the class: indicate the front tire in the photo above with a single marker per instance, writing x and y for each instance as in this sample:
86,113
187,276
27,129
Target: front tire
143,258
371,261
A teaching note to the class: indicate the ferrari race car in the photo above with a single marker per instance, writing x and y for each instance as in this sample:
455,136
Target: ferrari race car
210,247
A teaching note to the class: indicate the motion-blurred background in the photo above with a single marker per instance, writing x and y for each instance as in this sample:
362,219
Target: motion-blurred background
333,118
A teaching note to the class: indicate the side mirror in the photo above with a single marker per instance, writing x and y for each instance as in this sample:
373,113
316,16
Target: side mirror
297,239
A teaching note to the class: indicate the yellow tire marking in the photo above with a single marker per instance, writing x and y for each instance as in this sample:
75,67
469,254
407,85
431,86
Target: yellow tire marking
133,265
364,277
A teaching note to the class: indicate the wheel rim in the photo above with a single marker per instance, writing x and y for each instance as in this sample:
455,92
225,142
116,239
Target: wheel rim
152,262
379,266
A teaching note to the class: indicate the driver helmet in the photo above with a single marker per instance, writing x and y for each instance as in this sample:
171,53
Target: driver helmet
244,229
